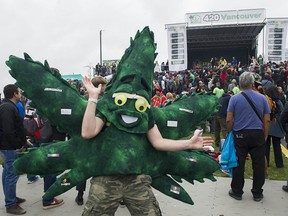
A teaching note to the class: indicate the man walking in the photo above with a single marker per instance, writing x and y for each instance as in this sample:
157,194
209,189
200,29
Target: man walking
250,126
12,137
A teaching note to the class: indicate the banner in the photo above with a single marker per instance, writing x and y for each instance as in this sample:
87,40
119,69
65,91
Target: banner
276,42
226,17
177,46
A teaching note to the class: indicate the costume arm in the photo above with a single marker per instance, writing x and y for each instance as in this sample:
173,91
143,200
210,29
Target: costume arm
195,142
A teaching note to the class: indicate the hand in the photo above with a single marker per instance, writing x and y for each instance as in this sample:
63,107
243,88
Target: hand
91,89
199,142
29,143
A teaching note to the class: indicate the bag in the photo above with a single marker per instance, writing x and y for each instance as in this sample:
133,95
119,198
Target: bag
228,155
272,106
38,128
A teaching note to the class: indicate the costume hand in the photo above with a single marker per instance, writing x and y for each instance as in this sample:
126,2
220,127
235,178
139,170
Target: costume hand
91,89
199,142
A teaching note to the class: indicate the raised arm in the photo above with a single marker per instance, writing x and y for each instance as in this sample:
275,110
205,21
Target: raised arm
91,125
162,144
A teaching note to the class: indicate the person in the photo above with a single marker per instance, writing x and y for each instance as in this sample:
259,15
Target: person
220,119
284,121
222,63
235,88
218,90
276,131
96,81
107,191
260,59
21,109
266,81
285,187
212,62
234,62
159,98
12,139
250,133
49,180
254,61
170,98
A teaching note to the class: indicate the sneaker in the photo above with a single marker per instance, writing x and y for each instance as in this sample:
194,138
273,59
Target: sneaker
55,203
15,209
234,195
122,204
258,198
36,178
20,200
79,200
285,188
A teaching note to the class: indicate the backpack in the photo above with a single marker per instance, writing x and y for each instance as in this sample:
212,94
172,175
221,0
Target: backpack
38,128
272,106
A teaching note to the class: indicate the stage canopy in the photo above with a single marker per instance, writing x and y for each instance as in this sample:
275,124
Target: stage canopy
232,36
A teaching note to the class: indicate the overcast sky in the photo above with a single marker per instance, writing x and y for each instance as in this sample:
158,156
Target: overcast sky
66,32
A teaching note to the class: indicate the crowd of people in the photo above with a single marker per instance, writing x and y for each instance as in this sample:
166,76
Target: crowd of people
223,79
254,128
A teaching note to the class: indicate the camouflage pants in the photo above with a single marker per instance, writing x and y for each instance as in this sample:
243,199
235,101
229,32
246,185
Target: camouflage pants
107,191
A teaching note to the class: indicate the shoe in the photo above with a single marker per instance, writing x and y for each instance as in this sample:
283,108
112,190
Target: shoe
258,198
55,203
285,188
34,180
16,210
225,172
235,196
20,200
79,200
122,204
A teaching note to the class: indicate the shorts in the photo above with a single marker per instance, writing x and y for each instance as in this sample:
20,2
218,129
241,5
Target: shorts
135,190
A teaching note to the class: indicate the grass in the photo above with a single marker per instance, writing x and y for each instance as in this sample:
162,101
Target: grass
274,173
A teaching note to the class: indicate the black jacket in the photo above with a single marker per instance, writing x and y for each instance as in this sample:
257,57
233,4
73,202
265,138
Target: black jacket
12,132
224,101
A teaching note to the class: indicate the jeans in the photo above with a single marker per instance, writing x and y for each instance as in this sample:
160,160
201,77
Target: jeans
9,179
81,186
48,181
252,142
276,141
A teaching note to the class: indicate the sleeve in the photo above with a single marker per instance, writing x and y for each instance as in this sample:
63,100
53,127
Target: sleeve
101,116
230,107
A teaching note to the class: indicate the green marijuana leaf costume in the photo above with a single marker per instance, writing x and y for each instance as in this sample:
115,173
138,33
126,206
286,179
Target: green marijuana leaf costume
122,146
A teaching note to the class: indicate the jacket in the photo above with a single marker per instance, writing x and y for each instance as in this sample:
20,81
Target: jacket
276,128
12,132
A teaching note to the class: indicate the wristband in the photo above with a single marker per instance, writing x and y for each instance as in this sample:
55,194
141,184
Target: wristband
93,100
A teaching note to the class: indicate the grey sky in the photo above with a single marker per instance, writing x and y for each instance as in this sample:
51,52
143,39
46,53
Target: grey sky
66,32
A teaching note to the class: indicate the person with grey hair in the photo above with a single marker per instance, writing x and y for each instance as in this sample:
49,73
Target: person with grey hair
250,129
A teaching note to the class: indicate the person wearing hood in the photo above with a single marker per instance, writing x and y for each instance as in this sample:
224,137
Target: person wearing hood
220,119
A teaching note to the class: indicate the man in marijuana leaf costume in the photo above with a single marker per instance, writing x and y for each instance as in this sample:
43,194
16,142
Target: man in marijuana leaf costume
124,131
129,112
